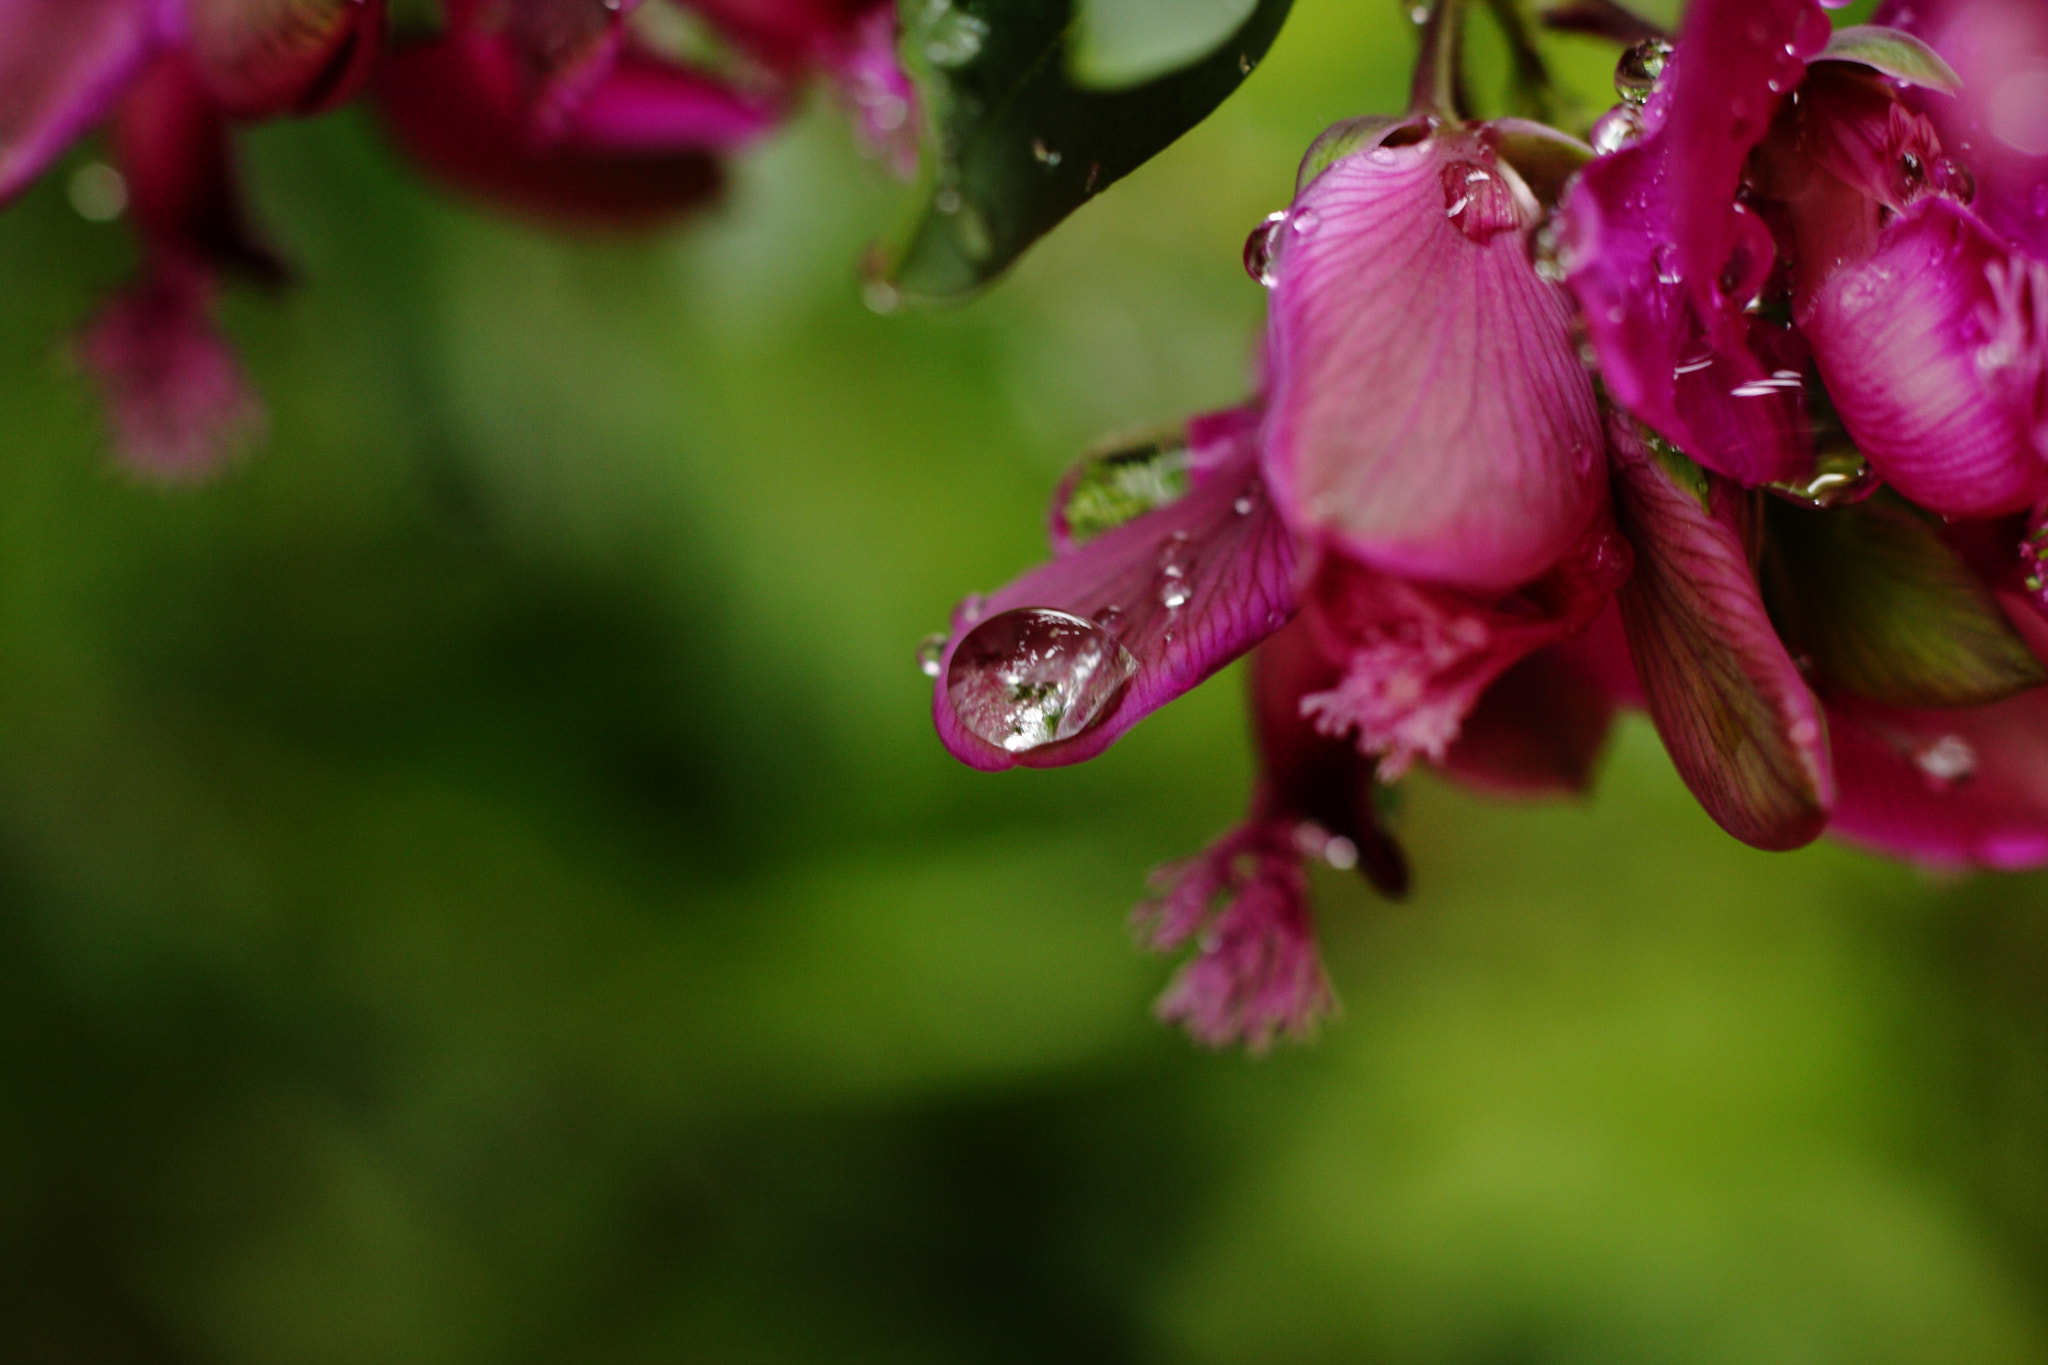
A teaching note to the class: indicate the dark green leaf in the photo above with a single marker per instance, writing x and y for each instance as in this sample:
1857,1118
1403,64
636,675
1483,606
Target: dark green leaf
1888,611
1013,143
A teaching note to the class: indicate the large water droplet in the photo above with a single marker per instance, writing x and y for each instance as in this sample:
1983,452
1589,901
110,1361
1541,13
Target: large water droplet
1635,75
1034,676
1616,129
930,651
1840,477
1946,761
1258,248
1119,481
950,36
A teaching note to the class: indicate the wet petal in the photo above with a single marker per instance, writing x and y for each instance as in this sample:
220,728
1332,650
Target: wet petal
1256,975
63,63
1951,788
263,57
177,404
1183,590
1742,727
1935,352
1664,261
1427,413
2000,49
1416,658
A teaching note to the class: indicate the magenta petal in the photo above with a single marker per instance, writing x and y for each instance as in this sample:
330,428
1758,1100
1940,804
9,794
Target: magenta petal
1173,595
1953,788
63,63
1427,412
1664,261
1537,730
1935,352
282,56
1741,725
1416,658
1998,123
176,400
650,106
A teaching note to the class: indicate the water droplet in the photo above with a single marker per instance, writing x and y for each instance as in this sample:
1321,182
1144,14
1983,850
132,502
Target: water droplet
1174,588
1258,248
1953,179
1304,221
1840,477
1044,155
1122,480
1616,129
947,200
1243,506
1111,619
1635,75
1418,15
880,296
930,651
1946,761
1665,258
1034,676
1245,64
970,609
950,36
1546,252
98,192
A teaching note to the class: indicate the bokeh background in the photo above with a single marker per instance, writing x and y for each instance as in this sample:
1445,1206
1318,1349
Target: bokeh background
477,884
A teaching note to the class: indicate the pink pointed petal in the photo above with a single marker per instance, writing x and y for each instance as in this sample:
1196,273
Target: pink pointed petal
1417,658
1935,351
63,63
177,404
1663,261
1741,725
183,192
1953,788
263,57
1998,123
457,108
1256,975
1184,589
1427,413
650,106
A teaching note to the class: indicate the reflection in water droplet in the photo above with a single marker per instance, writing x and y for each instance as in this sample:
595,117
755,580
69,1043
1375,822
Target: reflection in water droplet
1122,480
1946,761
1616,129
1665,258
1258,248
1034,676
1840,477
1635,75
930,650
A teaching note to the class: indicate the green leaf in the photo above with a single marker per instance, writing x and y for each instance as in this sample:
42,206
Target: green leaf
1013,143
1119,43
1898,55
1885,609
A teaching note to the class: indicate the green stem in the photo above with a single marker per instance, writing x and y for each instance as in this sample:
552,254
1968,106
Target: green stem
1437,67
1531,76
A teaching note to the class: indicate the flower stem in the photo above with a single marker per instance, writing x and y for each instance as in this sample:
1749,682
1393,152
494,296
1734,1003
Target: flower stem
1438,74
1530,75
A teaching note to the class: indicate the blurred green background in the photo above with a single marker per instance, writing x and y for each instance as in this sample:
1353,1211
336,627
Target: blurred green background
477,883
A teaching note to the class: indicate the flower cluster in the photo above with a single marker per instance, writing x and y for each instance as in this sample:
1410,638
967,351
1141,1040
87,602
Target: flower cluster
606,112
1736,411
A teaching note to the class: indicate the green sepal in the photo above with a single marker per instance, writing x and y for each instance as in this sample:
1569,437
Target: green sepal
1340,140
1894,53
1012,144
1885,609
